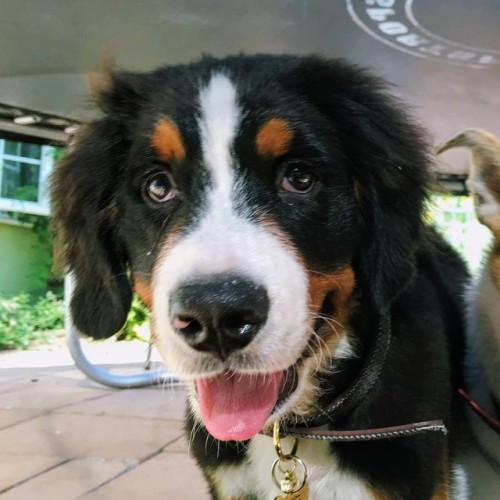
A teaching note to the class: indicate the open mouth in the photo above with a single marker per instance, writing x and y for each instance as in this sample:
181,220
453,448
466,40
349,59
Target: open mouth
235,406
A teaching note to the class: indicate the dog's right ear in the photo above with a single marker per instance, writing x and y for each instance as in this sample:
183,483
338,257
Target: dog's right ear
86,211
484,175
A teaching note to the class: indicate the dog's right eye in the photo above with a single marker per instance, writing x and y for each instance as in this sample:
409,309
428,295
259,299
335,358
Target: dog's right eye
159,187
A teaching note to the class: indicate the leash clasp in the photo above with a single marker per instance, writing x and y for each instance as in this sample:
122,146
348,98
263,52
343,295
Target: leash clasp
288,471
277,442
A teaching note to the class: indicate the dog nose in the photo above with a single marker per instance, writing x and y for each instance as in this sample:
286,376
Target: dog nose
221,313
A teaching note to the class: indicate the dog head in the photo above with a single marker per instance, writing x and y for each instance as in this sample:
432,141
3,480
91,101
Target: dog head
249,201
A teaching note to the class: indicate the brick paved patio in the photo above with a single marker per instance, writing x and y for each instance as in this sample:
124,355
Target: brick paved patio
64,437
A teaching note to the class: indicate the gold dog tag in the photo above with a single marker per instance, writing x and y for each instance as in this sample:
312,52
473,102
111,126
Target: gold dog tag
289,472
302,494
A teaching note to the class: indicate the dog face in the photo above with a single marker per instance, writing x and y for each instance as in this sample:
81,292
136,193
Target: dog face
252,200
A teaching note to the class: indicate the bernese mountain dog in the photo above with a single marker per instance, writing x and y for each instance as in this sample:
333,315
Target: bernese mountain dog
270,211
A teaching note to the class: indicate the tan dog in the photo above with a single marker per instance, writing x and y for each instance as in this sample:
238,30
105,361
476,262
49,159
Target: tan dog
483,337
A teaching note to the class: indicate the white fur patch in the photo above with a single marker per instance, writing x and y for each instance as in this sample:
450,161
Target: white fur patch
459,483
218,124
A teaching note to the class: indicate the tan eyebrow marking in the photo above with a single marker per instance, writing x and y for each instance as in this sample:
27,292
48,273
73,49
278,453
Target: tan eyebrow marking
167,141
274,138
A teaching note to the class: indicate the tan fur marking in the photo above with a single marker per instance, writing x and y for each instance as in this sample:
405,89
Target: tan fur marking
338,286
144,292
442,489
379,494
274,138
442,492
101,80
167,141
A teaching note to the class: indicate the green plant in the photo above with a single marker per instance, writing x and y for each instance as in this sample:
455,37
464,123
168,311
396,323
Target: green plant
23,320
27,193
136,324
48,312
15,322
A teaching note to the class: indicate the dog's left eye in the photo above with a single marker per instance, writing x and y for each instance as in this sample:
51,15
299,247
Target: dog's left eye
159,187
298,179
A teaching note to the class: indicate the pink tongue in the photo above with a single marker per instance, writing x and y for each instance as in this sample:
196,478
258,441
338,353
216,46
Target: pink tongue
235,406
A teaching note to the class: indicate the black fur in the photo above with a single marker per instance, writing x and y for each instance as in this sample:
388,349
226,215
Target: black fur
367,211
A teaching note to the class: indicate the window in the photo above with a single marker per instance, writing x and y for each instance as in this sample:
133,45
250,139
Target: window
24,171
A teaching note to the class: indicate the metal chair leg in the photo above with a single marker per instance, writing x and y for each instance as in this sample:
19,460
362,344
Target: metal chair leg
97,373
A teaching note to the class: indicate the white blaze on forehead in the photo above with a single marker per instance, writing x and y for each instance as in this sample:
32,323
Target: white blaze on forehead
218,124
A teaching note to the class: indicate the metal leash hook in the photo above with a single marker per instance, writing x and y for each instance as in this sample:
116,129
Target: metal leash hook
288,471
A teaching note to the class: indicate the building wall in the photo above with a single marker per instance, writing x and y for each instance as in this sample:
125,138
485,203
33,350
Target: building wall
23,265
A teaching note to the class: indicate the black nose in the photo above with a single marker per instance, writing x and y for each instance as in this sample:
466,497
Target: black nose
221,313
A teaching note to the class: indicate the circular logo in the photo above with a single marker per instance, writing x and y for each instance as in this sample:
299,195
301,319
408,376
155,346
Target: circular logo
393,23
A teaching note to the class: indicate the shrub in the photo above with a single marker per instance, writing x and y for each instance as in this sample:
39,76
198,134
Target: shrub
23,320
135,326
15,322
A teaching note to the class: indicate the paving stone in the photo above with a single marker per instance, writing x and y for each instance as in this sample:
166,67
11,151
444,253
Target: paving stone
11,384
16,415
73,435
17,468
54,422
178,446
166,476
68,481
48,394
150,403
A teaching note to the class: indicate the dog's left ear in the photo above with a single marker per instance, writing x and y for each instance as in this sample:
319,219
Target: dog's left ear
85,219
87,210
386,157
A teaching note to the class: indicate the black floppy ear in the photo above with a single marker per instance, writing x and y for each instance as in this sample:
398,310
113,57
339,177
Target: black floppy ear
86,213
387,159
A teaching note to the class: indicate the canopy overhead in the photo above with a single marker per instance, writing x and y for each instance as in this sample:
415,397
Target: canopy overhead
444,57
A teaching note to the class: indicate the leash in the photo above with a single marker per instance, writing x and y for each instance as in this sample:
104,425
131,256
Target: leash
394,431
491,421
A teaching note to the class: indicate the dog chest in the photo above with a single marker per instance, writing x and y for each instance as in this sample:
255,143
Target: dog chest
325,478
